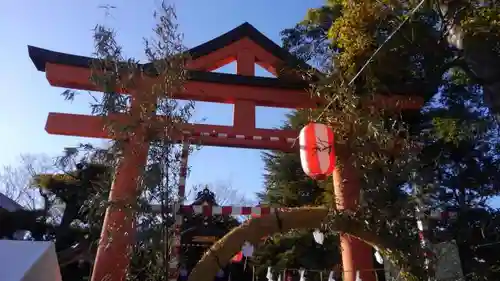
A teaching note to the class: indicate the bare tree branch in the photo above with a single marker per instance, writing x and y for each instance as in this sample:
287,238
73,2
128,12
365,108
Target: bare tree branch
16,180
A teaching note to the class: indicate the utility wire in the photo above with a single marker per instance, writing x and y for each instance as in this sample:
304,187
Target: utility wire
412,12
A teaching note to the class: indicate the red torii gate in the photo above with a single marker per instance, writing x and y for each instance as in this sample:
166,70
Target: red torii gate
245,45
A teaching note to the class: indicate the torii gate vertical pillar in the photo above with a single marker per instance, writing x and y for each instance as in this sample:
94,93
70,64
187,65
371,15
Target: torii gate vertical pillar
356,254
118,232
244,111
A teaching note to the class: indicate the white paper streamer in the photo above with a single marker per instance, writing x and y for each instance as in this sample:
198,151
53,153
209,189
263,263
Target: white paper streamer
302,275
330,276
319,237
358,278
269,275
378,257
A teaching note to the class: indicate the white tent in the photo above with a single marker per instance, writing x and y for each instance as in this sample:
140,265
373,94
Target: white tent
28,261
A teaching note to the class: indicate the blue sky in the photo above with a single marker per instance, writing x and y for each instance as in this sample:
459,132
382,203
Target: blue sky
66,26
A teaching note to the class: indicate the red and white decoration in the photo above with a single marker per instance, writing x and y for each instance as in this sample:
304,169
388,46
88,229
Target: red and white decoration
215,134
226,210
317,153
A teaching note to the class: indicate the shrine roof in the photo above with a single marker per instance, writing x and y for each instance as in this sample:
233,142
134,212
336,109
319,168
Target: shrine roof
40,57
205,196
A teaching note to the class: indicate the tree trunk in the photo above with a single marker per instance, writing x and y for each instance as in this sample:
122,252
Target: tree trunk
479,55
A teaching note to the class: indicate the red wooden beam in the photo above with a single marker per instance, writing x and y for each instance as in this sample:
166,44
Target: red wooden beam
261,96
79,78
209,135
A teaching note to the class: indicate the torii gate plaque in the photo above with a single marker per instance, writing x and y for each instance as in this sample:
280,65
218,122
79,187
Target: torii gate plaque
245,45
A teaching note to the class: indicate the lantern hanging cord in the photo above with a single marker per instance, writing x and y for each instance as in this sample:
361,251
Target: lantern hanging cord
412,12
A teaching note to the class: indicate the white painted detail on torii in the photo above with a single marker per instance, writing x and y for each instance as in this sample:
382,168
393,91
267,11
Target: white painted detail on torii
28,261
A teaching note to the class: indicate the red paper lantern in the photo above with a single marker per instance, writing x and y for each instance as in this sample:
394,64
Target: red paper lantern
317,152
238,257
